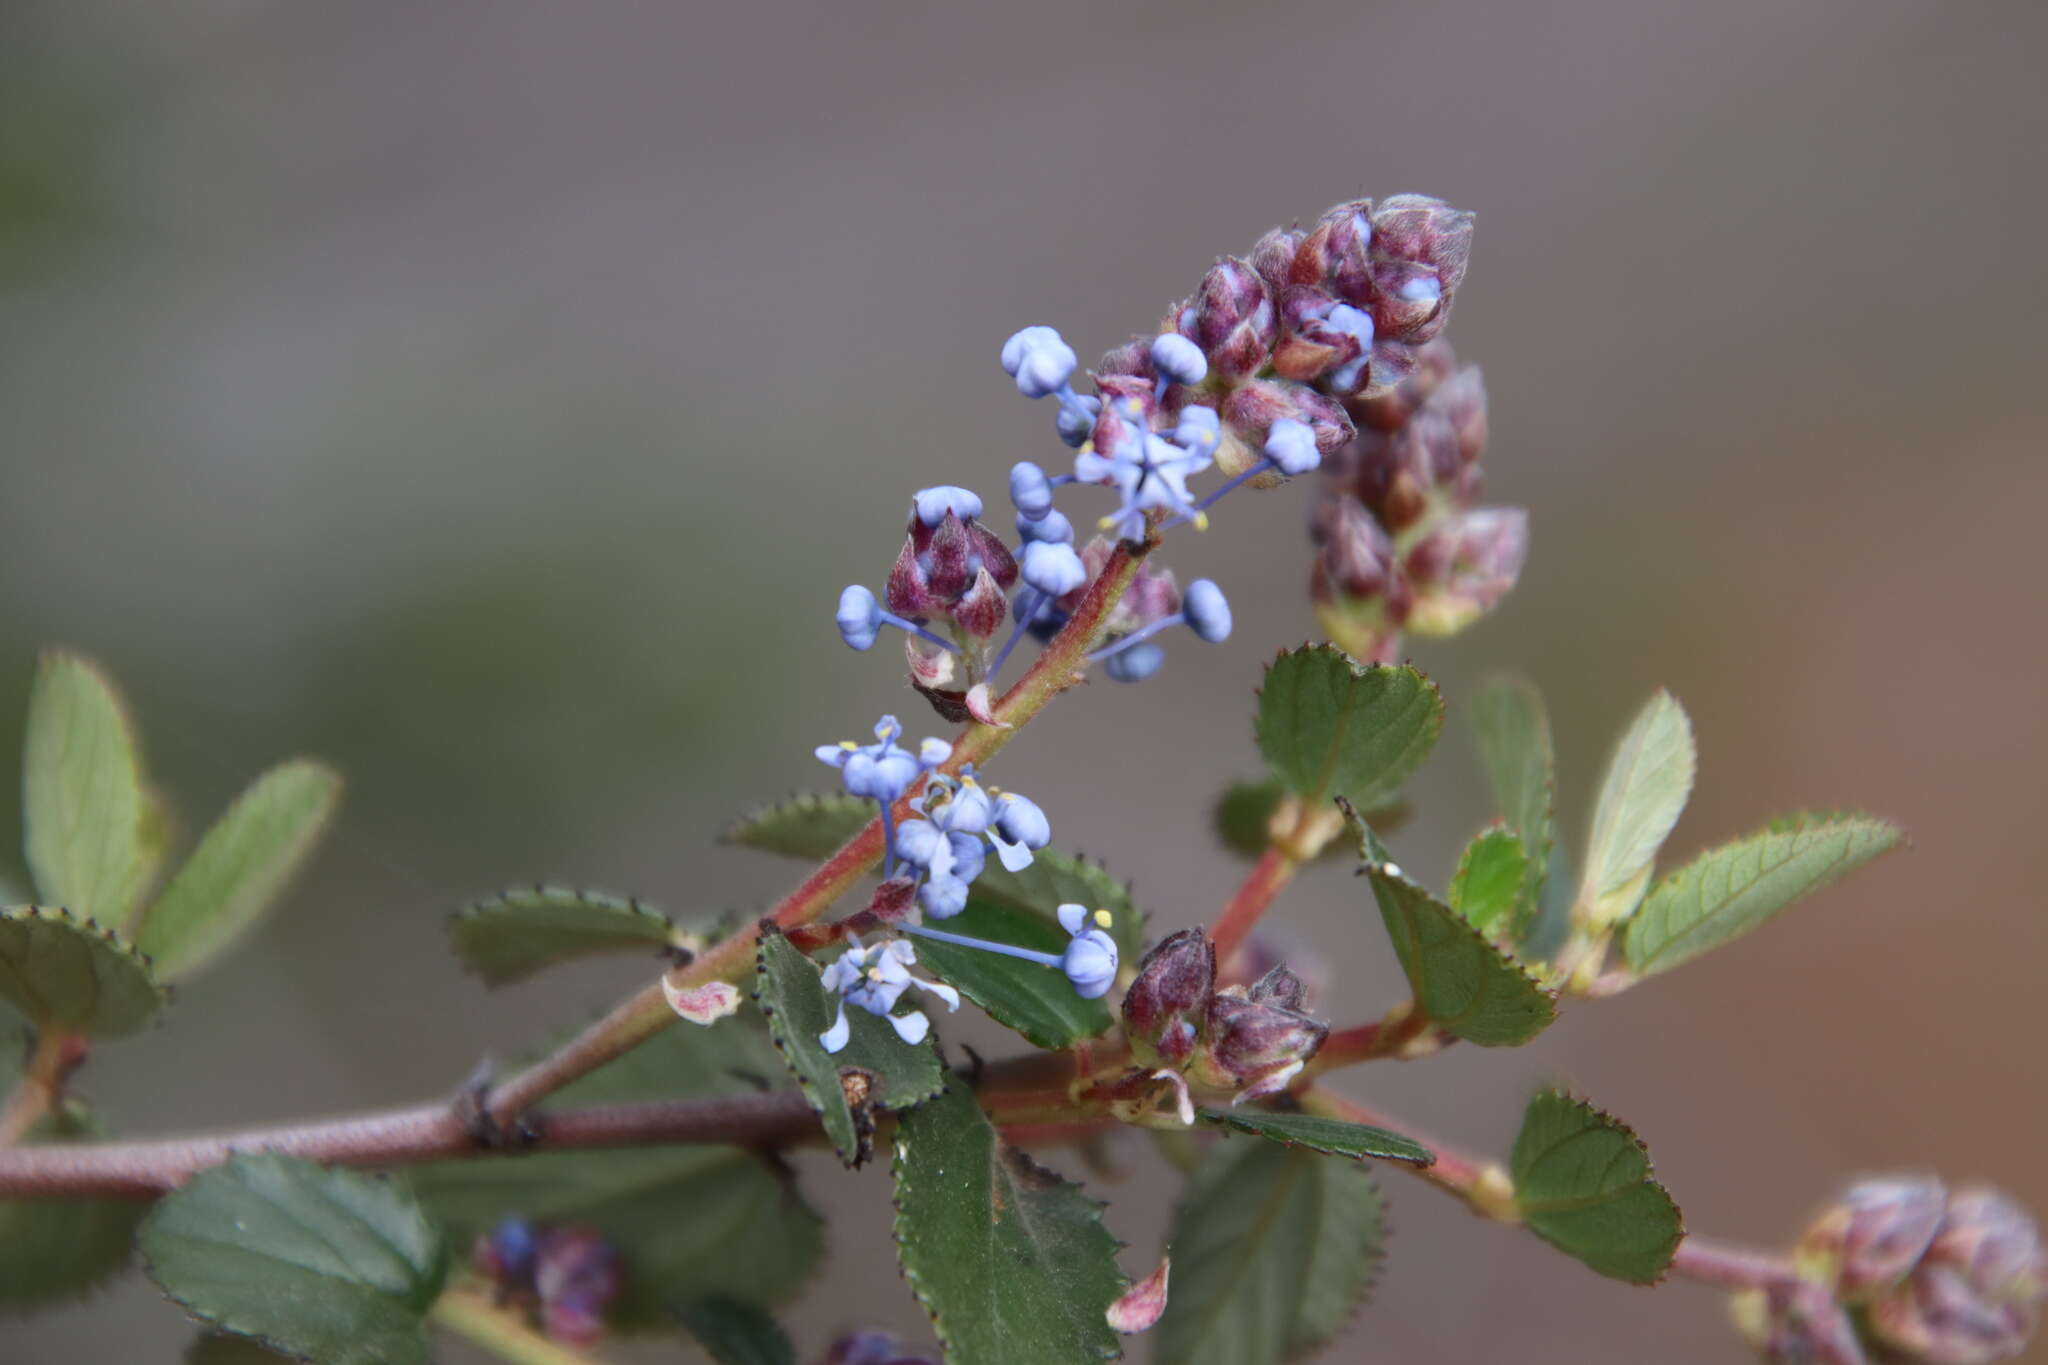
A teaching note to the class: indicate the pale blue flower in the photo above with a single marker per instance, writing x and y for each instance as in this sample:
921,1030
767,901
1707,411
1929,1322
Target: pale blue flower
875,978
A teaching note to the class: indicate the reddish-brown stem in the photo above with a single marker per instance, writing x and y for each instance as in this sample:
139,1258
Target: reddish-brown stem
1390,1037
1452,1170
57,1054
1269,875
1731,1267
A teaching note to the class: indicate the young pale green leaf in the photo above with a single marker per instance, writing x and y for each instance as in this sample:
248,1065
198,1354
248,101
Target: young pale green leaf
1331,1137
1641,796
803,826
733,1332
1492,875
1011,1261
332,1265
1273,1252
688,1222
1463,981
1513,731
65,973
239,868
1583,1184
54,1250
1728,891
1039,1002
1329,726
94,833
519,932
876,1070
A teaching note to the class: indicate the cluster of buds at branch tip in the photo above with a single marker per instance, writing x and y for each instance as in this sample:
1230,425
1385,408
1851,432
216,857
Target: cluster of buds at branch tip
563,1277
1400,543
1901,1268
1243,1041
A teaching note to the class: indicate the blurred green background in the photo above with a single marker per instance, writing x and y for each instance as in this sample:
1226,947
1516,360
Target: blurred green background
492,398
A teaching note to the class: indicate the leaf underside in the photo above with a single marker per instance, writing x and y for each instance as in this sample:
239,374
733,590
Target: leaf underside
94,833
67,973
1643,792
520,932
1331,1137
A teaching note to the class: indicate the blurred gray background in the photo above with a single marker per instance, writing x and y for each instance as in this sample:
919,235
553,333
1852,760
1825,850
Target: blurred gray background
492,398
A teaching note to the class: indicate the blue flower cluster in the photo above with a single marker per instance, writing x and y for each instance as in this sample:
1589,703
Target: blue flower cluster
946,845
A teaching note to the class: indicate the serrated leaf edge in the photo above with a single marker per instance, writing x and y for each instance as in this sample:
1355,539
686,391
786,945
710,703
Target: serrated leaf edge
86,924
1649,1177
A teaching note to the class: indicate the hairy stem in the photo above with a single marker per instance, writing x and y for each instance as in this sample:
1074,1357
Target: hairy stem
502,1331
1730,1267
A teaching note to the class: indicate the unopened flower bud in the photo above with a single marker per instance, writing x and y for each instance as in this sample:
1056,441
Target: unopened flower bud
1420,248
1165,1004
1975,1296
1391,406
1250,412
1279,986
1208,611
577,1276
1231,318
944,555
1796,1323
1178,359
1335,253
1135,664
1361,593
1030,490
981,610
1463,567
1052,568
1254,1047
1272,256
1868,1242
1039,359
1053,527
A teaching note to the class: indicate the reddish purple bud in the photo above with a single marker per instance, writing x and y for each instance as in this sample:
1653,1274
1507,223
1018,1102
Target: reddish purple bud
1232,319
906,593
1254,1047
1392,403
1309,348
1465,566
981,612
1975,1296
1869,1241
1132,360
1251,409
1335,252
1426,232
1121,393
577,1276
948,560
1272,256
1795,1322
1279,986
1165,1004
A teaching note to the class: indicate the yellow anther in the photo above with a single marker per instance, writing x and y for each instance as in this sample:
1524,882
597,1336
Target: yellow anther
848,745
1105,523
1102,919
1201,521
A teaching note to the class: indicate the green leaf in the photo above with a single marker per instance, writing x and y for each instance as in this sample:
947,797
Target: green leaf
1728,891
736,1333
1331,1137
1583,1184
1463,981
803,826
520,932
876,1070
94,834
1273,1252
1330,726
332,1265
1039,1002
1011,1261
239,868
1488,886
73,975
688,1221
1647,782
54,1250
1513,731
